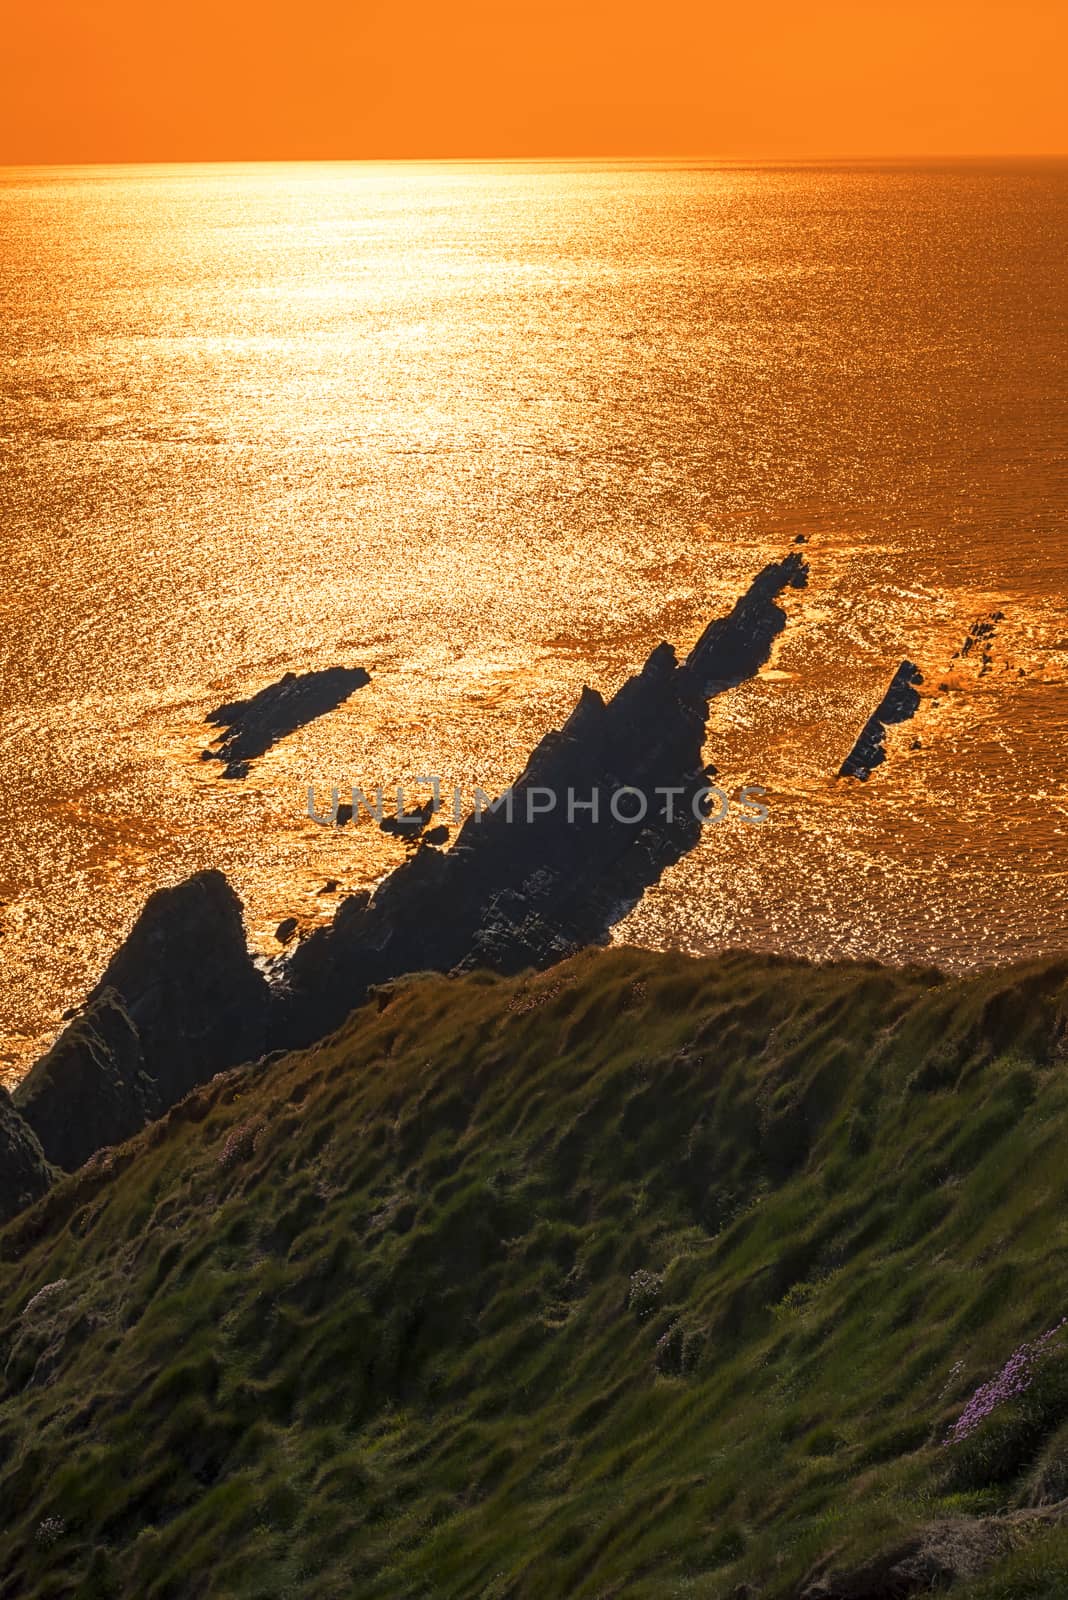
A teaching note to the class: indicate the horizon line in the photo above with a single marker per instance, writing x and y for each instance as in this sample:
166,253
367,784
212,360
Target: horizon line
533,160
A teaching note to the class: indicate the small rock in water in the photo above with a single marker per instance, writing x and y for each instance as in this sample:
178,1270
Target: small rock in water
286,929
329,887
250,727
899,704
409,822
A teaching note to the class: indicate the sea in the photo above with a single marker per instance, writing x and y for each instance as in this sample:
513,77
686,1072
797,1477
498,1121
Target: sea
491,432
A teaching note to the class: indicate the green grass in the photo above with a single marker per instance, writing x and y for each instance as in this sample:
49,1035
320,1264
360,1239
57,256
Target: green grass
645,1277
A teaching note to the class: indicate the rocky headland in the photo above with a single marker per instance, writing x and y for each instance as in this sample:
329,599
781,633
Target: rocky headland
525,884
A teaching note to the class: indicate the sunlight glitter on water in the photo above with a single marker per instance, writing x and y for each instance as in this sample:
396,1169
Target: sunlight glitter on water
492,433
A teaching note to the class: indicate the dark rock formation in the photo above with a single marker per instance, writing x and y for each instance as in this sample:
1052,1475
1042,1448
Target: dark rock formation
254,725
899,703
409,823
533,877
901,700
981,634
734,647
180,1001
189,985
24,1171
602,808
91,1089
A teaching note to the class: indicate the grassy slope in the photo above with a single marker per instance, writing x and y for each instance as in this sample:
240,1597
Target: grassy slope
645,1277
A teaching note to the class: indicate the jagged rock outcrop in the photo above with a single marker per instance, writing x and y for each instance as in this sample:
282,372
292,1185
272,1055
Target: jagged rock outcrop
24,1172
254,725
603,807
899,703
180,1001
734,647
189,985
91,1089
565,853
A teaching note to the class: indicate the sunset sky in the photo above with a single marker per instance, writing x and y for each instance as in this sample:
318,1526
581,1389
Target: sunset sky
119,80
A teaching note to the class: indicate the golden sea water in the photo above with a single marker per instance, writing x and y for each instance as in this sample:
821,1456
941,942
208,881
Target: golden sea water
492,432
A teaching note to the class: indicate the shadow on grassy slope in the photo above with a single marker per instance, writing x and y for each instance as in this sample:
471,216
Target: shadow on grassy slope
642,1277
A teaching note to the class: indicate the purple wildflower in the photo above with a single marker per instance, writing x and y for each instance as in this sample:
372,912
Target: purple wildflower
1015,1377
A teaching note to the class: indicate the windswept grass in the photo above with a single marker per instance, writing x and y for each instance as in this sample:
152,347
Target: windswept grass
645,1277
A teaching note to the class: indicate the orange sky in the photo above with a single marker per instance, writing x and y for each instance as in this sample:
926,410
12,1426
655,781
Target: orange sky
133,80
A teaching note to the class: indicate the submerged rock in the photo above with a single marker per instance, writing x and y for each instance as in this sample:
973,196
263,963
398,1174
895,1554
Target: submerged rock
254,725
981,635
